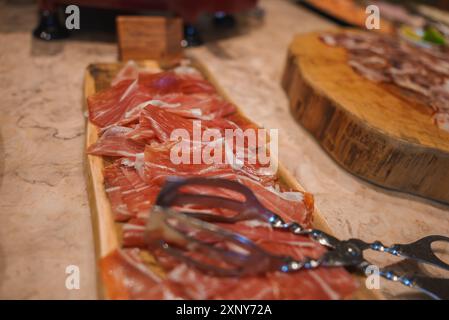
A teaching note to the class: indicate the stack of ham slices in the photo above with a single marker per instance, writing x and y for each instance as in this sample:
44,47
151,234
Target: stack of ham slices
421,73
135,118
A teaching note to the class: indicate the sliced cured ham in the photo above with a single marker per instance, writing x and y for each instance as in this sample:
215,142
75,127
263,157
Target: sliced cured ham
161,160
129,72
154,123
169,82
104,108
109,106
198,106
137,118
184,282
290,205
129,279
141,196
118,141
164,123
419,72
115,184
128,193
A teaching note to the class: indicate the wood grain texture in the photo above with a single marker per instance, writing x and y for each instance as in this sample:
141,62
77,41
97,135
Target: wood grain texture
368,128
106,231
155,38
106,235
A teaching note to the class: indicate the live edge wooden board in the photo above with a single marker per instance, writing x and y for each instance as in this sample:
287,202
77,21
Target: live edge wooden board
370,129
106,235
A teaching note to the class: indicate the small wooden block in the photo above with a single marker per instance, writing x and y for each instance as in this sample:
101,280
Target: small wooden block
155,38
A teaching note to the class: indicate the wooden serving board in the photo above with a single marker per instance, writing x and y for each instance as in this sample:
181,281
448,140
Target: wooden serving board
106,230
370,129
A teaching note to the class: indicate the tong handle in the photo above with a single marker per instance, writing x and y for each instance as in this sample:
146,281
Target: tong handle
421,251
435,288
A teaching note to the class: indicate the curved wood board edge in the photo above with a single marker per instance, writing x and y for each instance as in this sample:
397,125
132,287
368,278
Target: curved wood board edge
104,228
398,148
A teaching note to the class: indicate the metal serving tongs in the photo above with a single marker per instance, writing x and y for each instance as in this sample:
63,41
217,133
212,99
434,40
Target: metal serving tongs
190,237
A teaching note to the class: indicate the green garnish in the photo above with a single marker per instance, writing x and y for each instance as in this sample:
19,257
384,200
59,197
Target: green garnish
434,36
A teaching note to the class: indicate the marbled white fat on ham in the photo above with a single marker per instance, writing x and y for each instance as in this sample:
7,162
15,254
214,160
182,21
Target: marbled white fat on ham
136,117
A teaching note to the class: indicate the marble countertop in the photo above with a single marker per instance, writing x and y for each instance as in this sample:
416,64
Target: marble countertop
46,222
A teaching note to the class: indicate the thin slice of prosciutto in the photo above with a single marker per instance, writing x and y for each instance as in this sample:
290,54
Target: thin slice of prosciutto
422,73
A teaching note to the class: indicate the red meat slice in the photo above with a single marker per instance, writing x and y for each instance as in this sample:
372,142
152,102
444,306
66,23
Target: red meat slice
311,284
129,72
164,123
289,205
127,278
141,133
116,103
133,235
120,141
158,165
104,107
194,106
169,82
183,282
198,106
142,196
163,160
290,210
306,284
128,193
115,183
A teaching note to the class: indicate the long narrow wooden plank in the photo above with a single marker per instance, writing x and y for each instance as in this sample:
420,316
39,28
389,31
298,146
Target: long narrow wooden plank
104,227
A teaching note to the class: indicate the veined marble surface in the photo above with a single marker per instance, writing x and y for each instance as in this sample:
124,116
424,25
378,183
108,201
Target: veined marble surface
46,222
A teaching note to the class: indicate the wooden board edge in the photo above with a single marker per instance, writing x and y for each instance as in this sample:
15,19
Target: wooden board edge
103,227
104,230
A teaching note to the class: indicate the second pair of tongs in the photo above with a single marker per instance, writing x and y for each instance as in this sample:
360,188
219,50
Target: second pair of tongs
190,236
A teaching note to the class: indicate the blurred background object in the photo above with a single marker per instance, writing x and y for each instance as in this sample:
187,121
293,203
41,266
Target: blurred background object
392,12
423,22
50,26
347,13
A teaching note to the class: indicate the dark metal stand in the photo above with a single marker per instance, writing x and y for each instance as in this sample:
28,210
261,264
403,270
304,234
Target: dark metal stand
224,20
50,27
192,36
